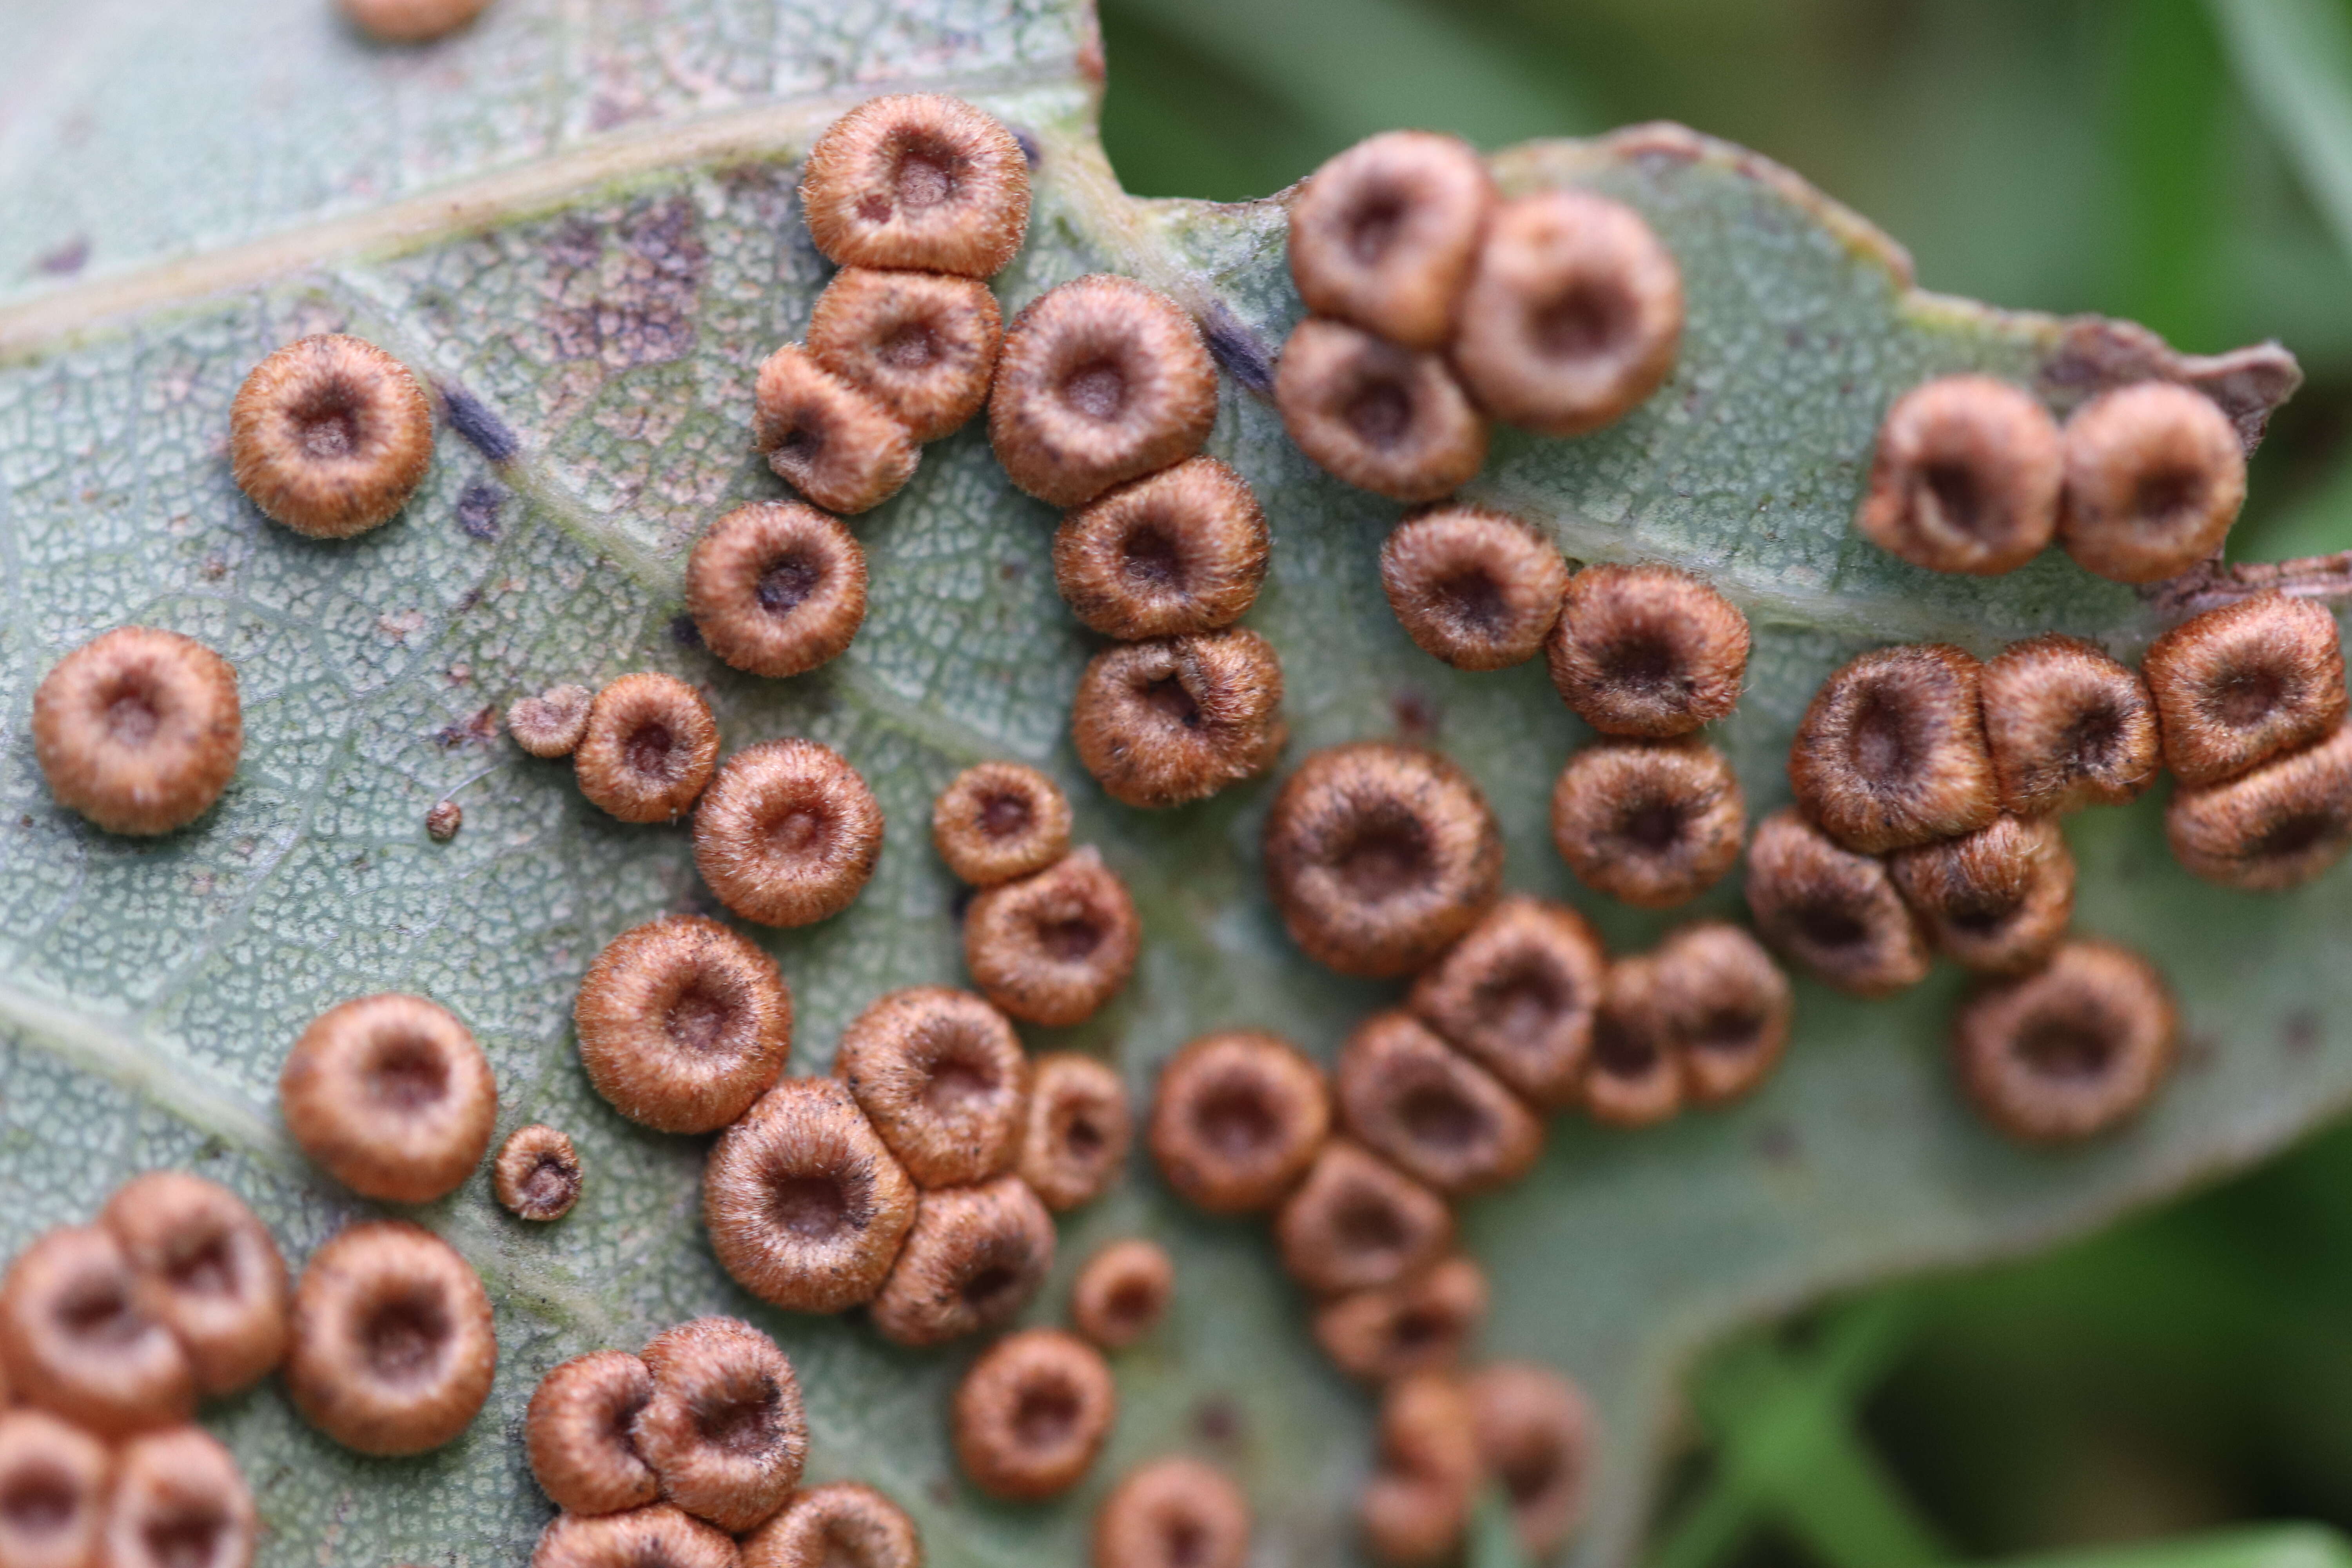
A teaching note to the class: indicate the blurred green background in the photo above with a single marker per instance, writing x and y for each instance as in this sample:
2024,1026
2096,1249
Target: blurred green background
2185,162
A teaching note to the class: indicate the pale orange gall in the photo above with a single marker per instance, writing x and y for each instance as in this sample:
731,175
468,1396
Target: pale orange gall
53,1481
1381,417
551,724
648,748
832,442
1237,1120
330,435
998,821
2067,727
923,344
1966,478
1517,994
576,1434
1078,1131
1535,1436
1434,1114
2239,685
975,1256
2071,1050
139,729
683,1024
918,180
208,1271
776,588
1123,1292
1173,1513
842,1524
788,833
1384,233
1892,751
655,1536
76,1341
941,1076
1572,316
1053,948
1417,1503
2155,475
391,1096
1356,1223
1102,380
1378,855
1647,650
1422,1323
394,1349
179,1501
804,1204
1180,551
724,1429
1835,911
1032,1413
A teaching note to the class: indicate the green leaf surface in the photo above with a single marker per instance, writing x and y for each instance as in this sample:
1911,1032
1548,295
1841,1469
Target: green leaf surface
580,218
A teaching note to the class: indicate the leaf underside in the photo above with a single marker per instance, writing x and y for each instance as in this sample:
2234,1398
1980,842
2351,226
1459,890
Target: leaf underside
578,221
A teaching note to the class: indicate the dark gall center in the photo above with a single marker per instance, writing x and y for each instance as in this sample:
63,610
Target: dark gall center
1521,1002
2066,1047
1005,816
1150,557
787,583
401,1340
407,1074
703,1019
741,1422
1387,857
1379,413
2243,698
1096,389
37,1500
187,1536
1435,1115
1953,496
909,348
808,1208
1235,1121
1588,322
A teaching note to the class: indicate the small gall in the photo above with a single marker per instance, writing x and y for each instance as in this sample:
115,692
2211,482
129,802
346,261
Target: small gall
551,723
1892,752
1171,555
974,1258
1416,1506
1123,1292
2154,478
1438,1116
1572,316
683,1024
1517,995
724,1429
391,1096
179,1501
1079,1131
2067,727
576,1434
918,180
1998,900
441,822
1477,589
1535,1431
1966,478
648,748
2237,686
842,1524
1654,823
1378,416
1419,1324
331,436
1634,1077
1032,1413
923,344
1836,912
1178,718
787,834
1384,233
411,21
394,1347
1238,1119
1102,380
2275,827
1647,650
537,1173
942,1076
1054,947
2070,1051
77,1341
1378,855
805,1206
53,1481
1712,1001
1356,1223
1173,1513
832,442
139,729
208,1271
776,588
998,821
655,1536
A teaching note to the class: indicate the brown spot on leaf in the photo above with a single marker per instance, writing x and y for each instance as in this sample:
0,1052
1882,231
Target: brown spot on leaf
627,298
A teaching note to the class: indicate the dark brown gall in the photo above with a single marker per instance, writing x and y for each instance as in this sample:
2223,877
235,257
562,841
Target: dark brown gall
683,1024
139,729
2237,686
2071,1050
648,748
1054,947
1891,752
1477,589
1635,1076
1420,1324
776,588
2275,827
787,834
1381,417
1517,994
922,343
1535,1436
1647,650
1438,1116
1171,555
918,180
2155,475
331,436
1966,478
1384,233
1178,718
537,1173
1836,912
842,1524
1654,822
974,1258
1032,1413
1714,1001
1237,1120
2067,727
1998,900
